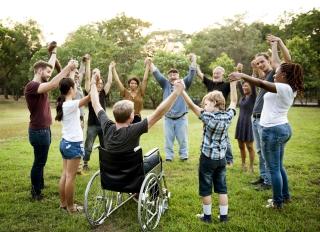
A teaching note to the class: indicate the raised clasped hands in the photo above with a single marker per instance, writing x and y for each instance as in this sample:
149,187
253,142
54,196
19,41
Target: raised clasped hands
235,76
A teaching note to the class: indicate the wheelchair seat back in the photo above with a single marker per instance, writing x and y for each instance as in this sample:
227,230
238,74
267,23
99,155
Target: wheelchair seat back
121,172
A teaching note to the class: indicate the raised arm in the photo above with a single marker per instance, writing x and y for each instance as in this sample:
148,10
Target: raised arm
275,42
233,95
166,104
196,109
144,83
84,101
82,71
107,86
199,73
117,79
192,70
269,86
158,75
54,82
87,74
94,94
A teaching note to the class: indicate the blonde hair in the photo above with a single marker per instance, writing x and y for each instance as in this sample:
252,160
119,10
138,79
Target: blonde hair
219,67
217,98
122,110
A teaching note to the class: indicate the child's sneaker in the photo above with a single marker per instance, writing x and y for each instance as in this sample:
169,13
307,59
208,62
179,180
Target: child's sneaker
204,218
223,218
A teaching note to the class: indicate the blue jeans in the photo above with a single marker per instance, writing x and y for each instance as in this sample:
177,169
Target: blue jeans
274,140
176,129
263,168
229,156
40,140
92,132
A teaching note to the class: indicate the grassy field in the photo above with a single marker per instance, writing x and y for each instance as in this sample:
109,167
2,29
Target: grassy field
246,211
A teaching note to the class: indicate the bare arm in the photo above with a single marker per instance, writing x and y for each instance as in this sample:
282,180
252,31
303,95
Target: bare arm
87,73
82,71
84,101
53,58
118,82
54,82
233,94
269,86
166,104
145,76
284,50
196,109
199,73
109,81
94,95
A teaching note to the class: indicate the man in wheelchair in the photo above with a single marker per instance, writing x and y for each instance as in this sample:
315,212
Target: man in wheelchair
121,136
121,168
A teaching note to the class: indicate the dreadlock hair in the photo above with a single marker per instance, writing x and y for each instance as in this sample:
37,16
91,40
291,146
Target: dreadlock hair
294,76
64,86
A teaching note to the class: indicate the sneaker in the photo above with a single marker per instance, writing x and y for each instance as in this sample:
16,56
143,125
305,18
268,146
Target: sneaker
257,182
184,159
223,218
168,160
37,197
263,187
285,201
203,218
272,205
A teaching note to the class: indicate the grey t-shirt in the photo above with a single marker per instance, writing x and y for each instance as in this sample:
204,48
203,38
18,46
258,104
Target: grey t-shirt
259,100
124,139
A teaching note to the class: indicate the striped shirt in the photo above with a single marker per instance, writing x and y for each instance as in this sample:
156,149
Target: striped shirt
215,132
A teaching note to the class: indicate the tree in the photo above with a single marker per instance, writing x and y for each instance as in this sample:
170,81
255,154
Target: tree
18,44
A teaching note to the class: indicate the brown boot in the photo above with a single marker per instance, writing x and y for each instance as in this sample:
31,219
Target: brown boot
51,46
57,66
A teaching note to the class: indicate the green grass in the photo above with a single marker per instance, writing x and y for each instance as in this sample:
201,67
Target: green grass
302,160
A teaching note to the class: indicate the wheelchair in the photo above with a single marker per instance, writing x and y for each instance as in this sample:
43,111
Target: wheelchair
126,176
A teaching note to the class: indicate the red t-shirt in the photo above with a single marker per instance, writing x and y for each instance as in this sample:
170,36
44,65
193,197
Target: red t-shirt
38,105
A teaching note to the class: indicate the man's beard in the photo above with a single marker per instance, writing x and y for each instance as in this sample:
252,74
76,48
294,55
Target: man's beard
44,79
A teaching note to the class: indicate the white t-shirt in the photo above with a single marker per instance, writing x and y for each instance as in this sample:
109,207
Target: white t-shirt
276,106
71,126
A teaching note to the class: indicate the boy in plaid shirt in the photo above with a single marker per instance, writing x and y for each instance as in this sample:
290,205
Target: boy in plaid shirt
212,169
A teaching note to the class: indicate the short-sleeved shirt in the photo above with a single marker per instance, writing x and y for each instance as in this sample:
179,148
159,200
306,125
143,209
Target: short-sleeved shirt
215,133
71,125
38,105
276,106
92,118
124,139
137,100
223,87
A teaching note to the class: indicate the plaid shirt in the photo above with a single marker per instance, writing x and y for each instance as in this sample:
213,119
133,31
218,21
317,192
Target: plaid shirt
215,132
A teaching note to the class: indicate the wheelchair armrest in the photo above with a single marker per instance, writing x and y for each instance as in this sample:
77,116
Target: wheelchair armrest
151,152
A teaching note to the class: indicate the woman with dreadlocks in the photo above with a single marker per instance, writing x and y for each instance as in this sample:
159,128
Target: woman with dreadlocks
276,131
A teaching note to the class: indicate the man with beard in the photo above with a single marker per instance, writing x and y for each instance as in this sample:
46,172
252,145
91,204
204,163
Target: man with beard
36,94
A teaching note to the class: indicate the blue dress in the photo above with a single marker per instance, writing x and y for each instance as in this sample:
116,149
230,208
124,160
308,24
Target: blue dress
244,125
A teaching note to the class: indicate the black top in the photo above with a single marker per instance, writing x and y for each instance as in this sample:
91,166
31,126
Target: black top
92,118
124,139
223,87
259,100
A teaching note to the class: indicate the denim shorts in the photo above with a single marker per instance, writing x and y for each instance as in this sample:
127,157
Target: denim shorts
212,172
71,150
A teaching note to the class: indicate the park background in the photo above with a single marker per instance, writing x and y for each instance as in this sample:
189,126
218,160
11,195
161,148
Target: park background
127,40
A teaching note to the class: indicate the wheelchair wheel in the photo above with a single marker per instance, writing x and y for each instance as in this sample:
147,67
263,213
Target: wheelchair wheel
150,203
95,204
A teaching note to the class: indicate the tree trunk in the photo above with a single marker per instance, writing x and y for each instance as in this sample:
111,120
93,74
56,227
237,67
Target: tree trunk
5,93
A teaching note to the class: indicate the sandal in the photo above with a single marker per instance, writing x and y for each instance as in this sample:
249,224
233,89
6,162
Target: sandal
76,209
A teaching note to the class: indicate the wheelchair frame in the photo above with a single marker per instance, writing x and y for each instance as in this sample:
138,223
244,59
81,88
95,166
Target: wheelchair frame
153,198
